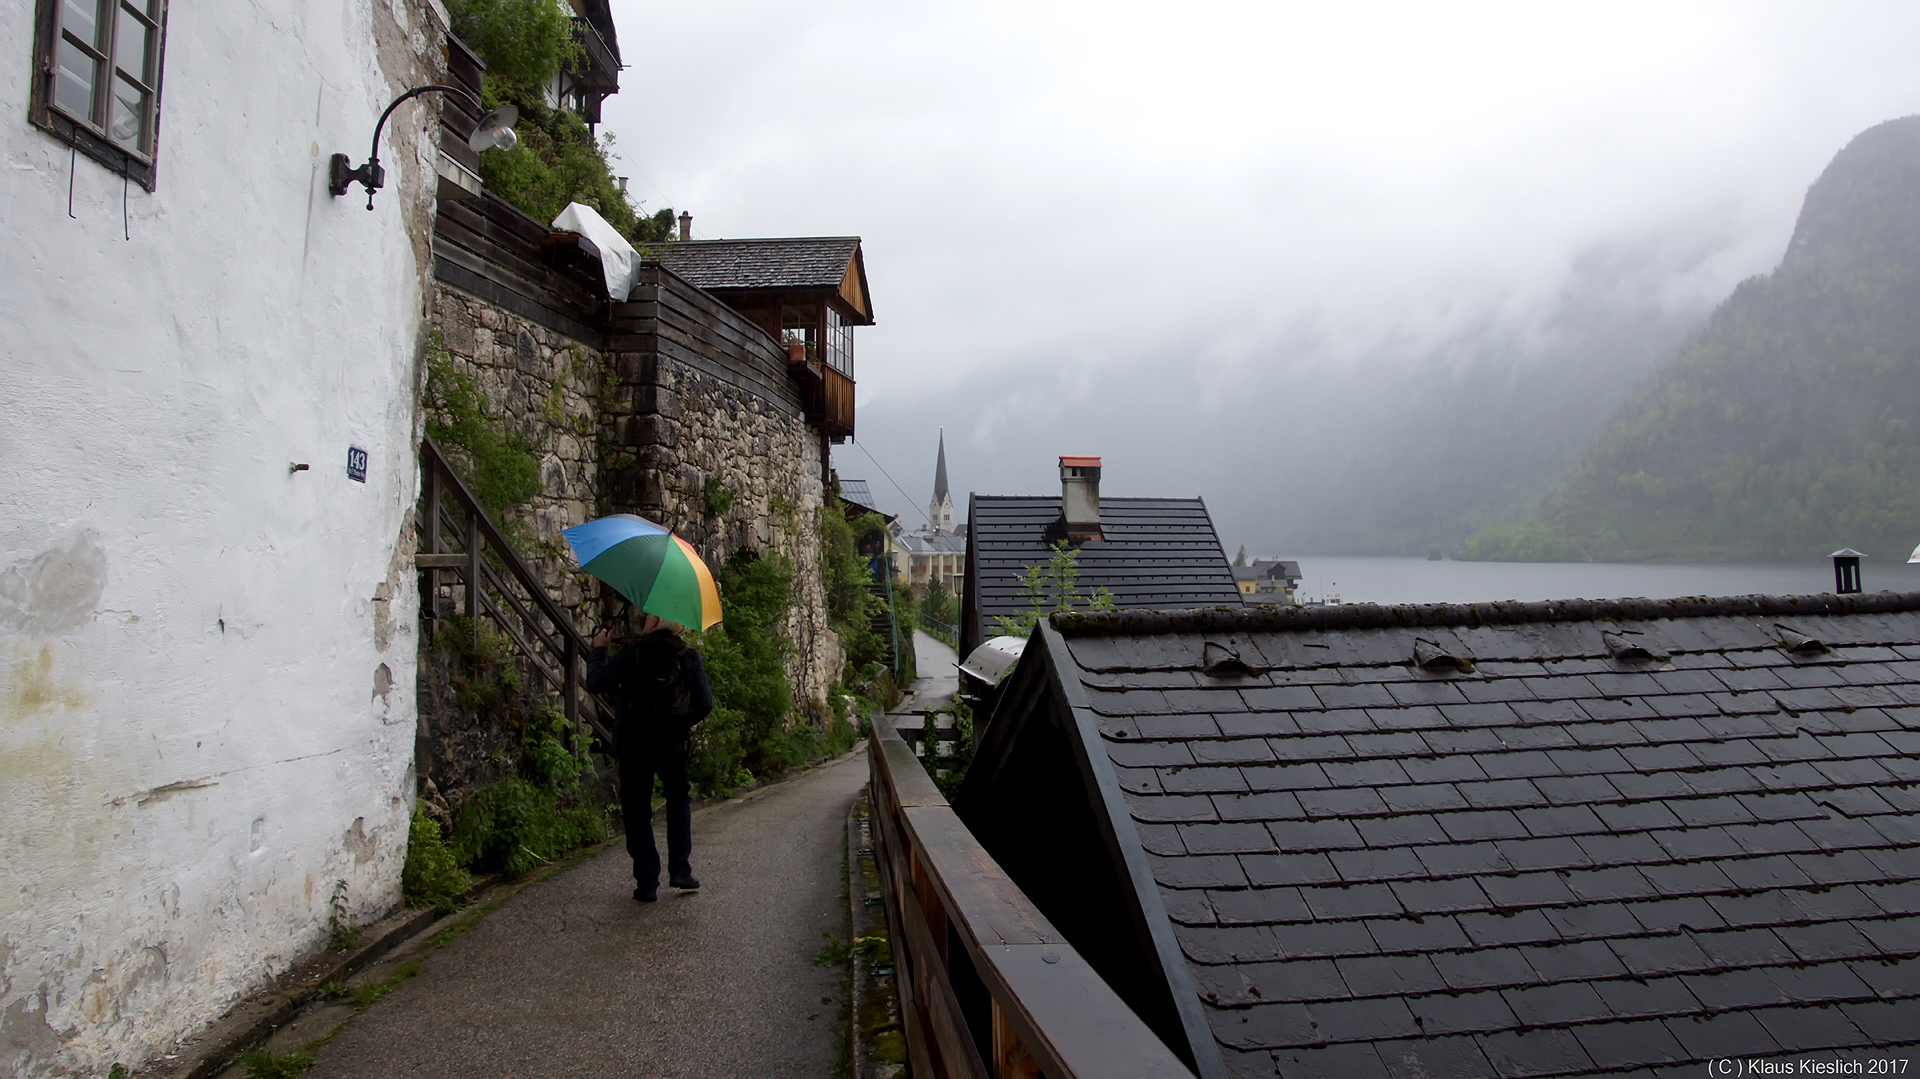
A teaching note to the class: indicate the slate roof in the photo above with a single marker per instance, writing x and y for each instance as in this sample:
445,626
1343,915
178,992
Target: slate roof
933,541
1157,553
785,264
1542,853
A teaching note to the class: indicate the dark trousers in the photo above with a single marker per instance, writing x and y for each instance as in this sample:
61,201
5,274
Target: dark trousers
637,769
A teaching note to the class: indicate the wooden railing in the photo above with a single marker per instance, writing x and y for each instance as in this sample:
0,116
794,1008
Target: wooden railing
988,988
933,737
457,536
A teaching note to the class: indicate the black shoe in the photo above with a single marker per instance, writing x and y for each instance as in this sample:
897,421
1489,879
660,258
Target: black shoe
645,893
685,882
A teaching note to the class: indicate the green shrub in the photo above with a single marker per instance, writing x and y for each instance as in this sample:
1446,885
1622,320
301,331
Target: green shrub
513,826
497,464
517,823
521,41
746,657
556,161
716,753
432,876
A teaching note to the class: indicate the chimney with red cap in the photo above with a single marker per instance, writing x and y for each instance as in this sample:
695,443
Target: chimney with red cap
1080,497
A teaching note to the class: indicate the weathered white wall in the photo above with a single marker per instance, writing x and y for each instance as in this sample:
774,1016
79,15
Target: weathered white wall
194,747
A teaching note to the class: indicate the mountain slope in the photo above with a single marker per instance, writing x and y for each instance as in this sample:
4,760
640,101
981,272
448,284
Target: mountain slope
1790,424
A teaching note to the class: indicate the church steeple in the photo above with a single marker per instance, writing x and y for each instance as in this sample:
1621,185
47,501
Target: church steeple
940,510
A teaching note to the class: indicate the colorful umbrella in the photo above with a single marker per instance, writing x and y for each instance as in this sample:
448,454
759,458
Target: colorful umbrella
649,565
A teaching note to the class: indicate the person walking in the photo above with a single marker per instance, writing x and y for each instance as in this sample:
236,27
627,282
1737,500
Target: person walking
662,691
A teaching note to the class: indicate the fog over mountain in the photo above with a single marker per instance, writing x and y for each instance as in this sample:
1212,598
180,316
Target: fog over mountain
1363,276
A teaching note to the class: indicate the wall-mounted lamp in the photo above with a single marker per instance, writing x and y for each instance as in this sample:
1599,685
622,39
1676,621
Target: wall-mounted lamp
494,132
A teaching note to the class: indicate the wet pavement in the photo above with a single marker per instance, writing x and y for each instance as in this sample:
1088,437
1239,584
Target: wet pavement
572,977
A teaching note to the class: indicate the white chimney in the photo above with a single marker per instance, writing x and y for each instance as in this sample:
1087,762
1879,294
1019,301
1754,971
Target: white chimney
1080,497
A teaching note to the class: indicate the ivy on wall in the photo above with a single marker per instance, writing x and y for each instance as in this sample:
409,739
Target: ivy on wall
525,44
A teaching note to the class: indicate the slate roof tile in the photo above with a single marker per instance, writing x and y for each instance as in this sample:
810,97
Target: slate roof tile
1630,997
1270,869
1892,936
1264,806
1172,807
1886,1022
1258,906
1631,848
1292,836
1425,934
1358,1059
1631,1045
1676,915
1230,751
1829,941
1231,838
1197,871
1891,979
1648,955
1463,1013
1707,812
1509,927
1374,976
1744,947
1202,780
1834,867
1379,863
1266,1026
1366,773
1820,981
1551,1051
1370,1019
1800,1030
1527,890
1549,853
1425,797
1457,859
1325,940
1465,827
1901,898
1555,839
1401,830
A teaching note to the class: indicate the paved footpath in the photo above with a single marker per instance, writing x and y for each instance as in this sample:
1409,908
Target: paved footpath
572,977
939,677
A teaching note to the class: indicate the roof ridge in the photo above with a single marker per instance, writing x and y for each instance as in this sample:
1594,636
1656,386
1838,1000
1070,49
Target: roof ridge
1377,616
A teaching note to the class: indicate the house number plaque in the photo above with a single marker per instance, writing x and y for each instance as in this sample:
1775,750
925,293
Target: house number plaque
356,464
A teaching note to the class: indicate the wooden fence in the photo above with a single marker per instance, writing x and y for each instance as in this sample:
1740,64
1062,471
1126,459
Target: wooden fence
457,536
988,988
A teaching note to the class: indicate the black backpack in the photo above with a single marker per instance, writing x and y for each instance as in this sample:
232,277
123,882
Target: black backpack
671,698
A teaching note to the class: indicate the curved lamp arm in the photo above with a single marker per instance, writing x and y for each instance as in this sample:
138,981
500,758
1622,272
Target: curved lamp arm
371,175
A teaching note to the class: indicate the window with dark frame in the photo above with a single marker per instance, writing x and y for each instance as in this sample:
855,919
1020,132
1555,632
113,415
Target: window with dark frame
97,88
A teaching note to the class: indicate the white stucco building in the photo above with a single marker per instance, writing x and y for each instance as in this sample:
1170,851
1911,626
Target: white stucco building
208,649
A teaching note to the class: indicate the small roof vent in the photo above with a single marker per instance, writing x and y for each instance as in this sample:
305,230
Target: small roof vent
1800,644
1630,648
1431,657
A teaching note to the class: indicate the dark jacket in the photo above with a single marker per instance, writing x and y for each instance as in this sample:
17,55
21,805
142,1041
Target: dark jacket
635,672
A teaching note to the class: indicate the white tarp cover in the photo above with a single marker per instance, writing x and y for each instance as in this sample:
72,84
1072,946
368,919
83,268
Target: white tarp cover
992,660
618,260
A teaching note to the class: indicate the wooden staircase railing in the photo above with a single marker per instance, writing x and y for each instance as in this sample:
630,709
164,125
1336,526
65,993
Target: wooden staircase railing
457,536
988,988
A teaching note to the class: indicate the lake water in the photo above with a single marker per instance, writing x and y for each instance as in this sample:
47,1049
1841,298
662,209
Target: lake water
1416,580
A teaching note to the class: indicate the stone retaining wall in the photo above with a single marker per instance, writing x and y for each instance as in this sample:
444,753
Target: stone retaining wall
646,429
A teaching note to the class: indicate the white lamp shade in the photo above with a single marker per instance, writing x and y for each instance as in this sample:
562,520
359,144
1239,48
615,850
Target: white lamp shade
495,130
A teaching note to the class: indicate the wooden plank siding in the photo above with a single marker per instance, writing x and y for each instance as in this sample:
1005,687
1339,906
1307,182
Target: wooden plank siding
491,250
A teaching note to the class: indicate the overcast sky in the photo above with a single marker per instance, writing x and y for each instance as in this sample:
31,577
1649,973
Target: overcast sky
1077,217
